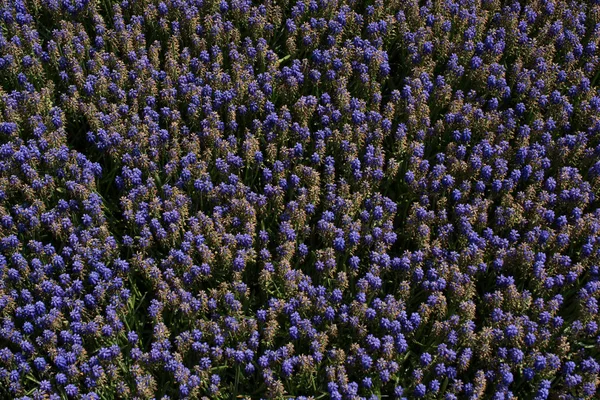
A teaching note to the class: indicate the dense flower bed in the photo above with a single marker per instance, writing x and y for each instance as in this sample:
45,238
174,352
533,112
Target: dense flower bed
313,199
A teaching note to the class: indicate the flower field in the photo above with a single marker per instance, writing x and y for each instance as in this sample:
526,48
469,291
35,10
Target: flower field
307,199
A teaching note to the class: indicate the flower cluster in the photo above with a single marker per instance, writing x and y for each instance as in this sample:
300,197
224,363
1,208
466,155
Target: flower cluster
299,199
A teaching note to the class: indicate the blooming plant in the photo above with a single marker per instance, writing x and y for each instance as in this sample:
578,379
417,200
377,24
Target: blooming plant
302,199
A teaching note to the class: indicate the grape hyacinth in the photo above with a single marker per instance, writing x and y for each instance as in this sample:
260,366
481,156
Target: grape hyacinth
302,199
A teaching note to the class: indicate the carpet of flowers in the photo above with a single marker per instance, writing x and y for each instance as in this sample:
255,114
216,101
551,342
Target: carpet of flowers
299,199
